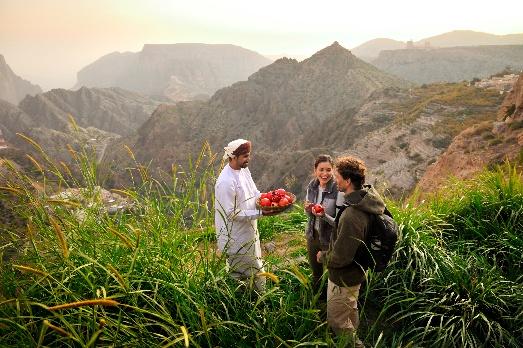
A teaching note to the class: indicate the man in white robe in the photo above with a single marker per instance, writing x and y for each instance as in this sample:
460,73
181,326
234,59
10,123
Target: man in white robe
236,215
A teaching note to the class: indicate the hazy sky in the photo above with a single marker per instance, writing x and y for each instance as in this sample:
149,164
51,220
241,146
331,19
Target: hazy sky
48,41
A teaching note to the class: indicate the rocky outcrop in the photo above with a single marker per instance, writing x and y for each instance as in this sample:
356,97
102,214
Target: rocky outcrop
482,145
178,71
450,64
109,109
12,87
512,108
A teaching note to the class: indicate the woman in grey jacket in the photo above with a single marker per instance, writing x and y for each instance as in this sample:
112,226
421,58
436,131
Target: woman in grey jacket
322,190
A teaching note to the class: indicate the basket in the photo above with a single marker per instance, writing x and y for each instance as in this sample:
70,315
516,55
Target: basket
277,209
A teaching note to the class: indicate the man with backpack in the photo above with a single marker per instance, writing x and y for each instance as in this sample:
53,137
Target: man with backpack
347,257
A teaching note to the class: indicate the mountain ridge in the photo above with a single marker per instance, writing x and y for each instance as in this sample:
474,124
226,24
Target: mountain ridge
112,110
371,49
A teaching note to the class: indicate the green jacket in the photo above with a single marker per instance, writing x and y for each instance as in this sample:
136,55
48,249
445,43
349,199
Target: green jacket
346,243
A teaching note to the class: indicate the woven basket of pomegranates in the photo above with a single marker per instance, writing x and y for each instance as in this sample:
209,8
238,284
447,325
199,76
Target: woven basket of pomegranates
275,201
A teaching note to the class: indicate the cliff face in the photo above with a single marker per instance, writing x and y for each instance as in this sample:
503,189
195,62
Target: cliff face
450,64
512,108
178,71
110,109
12,87
484,144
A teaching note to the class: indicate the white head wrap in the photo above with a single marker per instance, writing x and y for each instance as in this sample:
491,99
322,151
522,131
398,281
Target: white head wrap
232,146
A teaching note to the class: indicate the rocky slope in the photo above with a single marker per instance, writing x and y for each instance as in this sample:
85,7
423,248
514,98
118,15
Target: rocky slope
178,71
12,87
484,144
400,132
109,109
450,64
330,103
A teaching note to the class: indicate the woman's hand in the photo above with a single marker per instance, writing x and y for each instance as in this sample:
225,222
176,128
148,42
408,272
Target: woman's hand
307,206
318,257
318,212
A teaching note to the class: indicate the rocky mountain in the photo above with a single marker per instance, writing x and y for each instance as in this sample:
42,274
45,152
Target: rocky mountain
370,50
109,109
182,71
450,64
483,144
274,108
12,87
331,103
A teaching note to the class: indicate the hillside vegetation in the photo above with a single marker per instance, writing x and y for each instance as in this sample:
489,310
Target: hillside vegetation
149,276
465,106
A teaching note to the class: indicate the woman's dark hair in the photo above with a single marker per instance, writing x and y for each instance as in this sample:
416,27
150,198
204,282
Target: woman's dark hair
352,168
323,158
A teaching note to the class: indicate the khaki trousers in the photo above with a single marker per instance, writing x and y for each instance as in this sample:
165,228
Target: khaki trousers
342,309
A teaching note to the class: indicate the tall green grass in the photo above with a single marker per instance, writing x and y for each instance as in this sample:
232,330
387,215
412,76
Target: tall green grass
455,280
157,261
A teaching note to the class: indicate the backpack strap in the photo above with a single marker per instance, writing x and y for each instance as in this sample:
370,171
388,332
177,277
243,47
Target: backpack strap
341,208
388,213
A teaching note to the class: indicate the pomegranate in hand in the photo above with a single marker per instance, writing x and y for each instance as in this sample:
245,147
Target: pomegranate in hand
317,209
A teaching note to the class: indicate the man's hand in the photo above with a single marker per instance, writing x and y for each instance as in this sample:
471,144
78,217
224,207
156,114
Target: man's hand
318,257
269,212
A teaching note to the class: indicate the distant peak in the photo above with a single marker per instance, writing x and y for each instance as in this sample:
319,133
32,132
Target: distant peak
334,49
335,46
